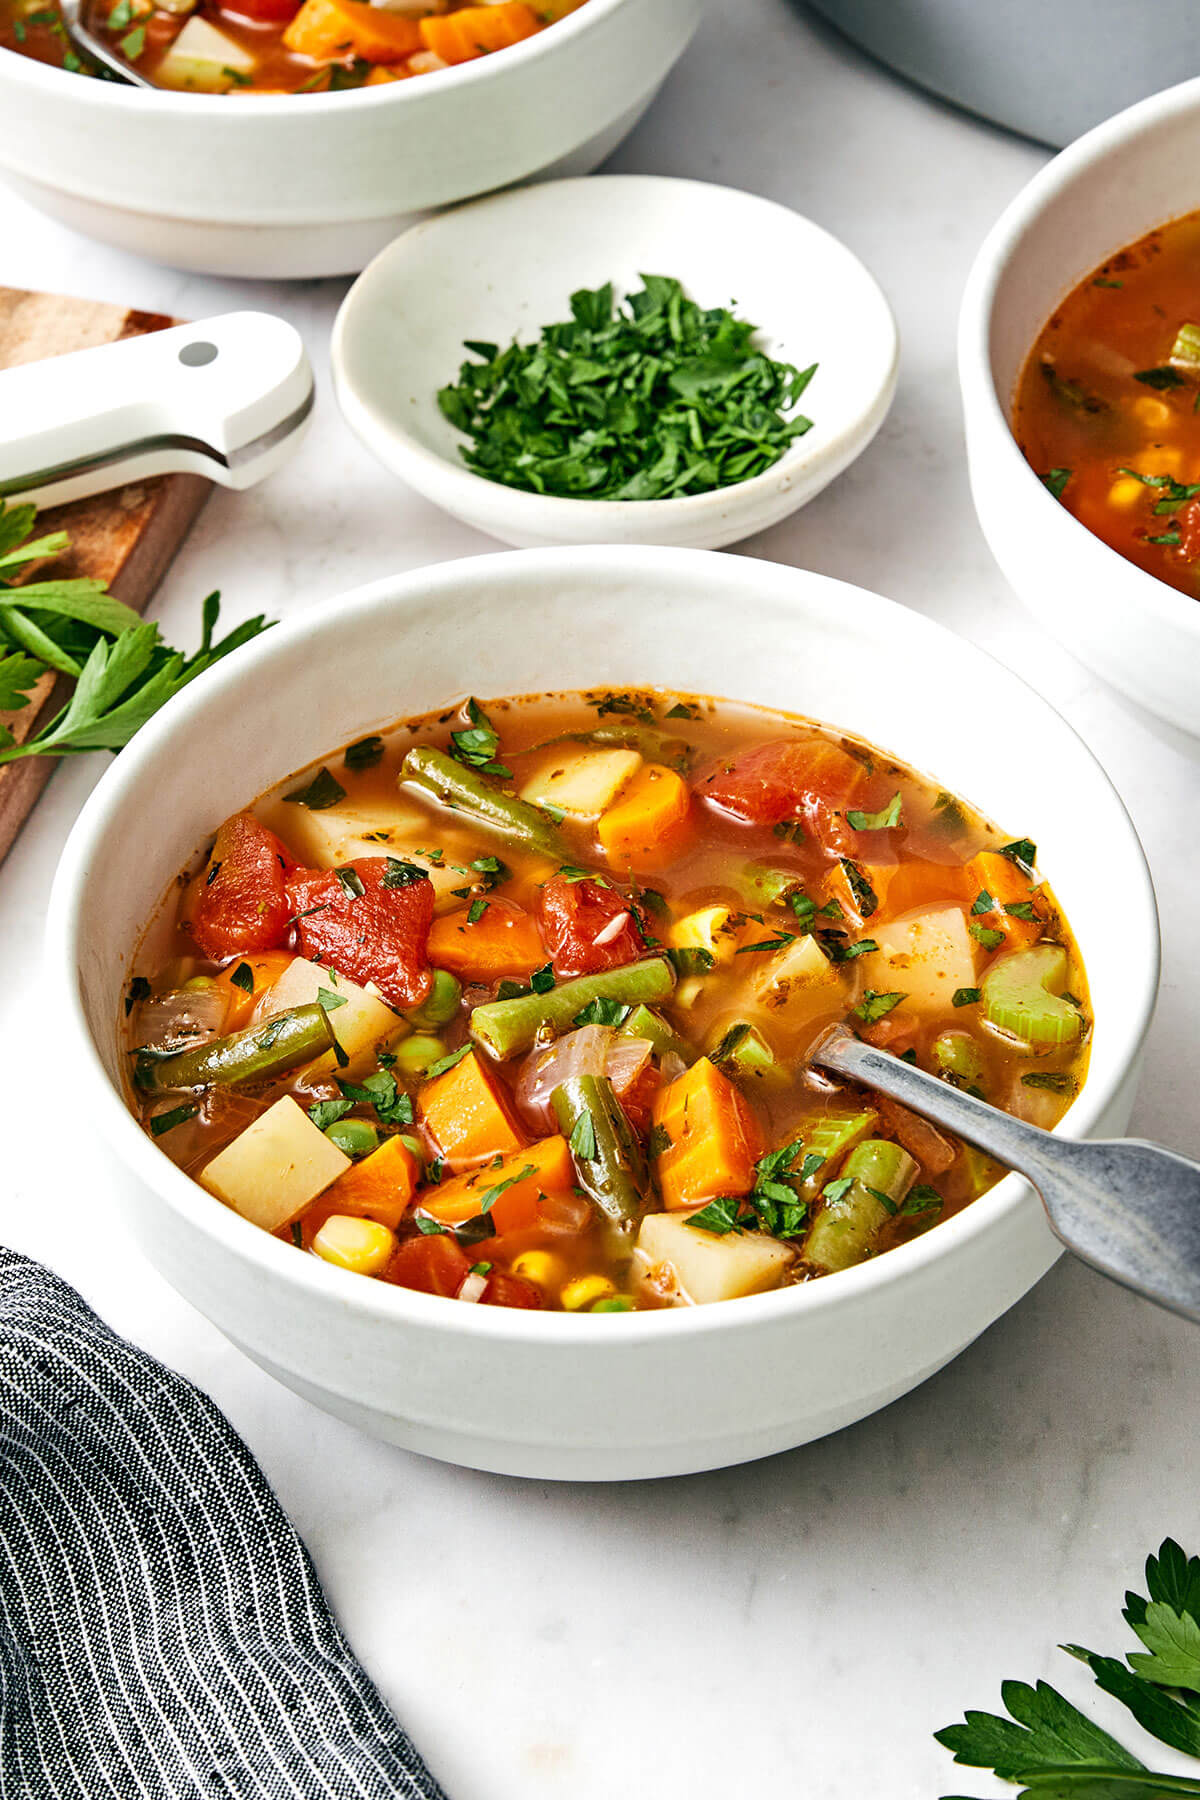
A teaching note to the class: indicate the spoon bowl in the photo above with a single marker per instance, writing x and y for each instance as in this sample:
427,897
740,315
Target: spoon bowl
85,39
505,266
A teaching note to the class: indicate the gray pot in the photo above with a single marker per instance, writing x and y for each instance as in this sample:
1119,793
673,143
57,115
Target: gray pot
1050,71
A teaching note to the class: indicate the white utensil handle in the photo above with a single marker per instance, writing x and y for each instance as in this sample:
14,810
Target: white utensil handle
227,398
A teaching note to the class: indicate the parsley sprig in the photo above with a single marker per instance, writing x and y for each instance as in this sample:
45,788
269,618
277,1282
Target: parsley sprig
658,398
123,672
1051,1749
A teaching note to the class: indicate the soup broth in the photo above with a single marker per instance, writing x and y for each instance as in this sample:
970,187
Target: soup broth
1107,405
515,1002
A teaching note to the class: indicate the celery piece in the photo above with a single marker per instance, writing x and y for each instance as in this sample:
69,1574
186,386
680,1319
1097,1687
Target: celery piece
744,1054
1021,995
643,1022
830,1137
871,1190
1185,351
957,1059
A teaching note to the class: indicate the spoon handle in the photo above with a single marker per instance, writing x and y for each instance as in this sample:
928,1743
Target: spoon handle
1129,1209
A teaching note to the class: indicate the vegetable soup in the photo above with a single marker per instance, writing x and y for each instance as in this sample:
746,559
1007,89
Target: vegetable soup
514,1004
1108,406
279,46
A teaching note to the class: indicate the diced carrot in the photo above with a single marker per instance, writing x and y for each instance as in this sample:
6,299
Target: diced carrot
475,30
999,876
327,29
466,1117
712,1138
551,1170
645,822
380,1187
917,883
240,998
503,940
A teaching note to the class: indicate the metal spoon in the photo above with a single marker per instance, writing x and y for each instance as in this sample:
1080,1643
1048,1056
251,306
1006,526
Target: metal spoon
1129,1209
85,39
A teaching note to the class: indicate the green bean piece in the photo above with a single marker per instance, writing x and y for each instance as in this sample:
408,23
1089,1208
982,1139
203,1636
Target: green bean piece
643,1023
879,1174
256,1054
454,785
353,1137
957,1059
505,1027
1022,994
442,1003
608,1157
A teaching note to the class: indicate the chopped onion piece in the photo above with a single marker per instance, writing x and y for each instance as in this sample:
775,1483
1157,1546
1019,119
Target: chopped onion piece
179,1020
474,1286
581,1052
612,930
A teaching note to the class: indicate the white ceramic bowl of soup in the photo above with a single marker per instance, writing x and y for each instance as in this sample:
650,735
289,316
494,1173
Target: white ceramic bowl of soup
1106,191
811,298
559,1395
278,185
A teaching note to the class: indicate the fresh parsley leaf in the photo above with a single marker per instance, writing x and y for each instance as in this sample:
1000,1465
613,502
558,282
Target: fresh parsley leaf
350,882
330,1001
720,1217
1162,379
1022,851
778,942
983,903
446,1062
476,911
966,996
243,977
490,1198
542,980
583,1138
325,1113
477,745
364,754
985,935
1056,480
873,1007
864,894
323,790
880,821
690,962
920,1201
602,1012
380,1091
492,870
835,1191
430,1227
400,874
1020,909
1054,1079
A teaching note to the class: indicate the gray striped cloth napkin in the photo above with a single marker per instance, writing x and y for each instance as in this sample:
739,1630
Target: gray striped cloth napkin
163,1634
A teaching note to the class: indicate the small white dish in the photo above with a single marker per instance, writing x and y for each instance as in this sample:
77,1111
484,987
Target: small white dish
506,266
1106,191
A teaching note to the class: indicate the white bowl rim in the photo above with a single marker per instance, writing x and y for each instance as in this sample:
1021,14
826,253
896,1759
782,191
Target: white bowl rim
259,106
277,1262
580,516
1157,598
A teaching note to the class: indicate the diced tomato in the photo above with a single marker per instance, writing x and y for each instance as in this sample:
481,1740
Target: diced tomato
804,778
1189,531
240,901
269,11
432,1265
511,1290
354,921
638,1098
575,914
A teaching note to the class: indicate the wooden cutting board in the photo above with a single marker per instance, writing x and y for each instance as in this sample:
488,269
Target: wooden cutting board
125,539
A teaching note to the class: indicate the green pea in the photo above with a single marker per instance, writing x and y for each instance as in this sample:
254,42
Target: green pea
418,1053
353,1137
442,1004
614,1303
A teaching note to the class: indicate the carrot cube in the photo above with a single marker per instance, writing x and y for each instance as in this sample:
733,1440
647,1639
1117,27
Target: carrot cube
466,1117
708,1138
644,823
999,876
503,940
545,1168
326,30
475,30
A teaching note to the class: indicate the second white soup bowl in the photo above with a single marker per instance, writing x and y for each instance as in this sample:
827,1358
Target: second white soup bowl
557,1395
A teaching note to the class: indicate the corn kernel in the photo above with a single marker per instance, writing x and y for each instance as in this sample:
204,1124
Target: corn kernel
1155,415
585,1289
688,991
1126,493
538,1266
712,928
360,1245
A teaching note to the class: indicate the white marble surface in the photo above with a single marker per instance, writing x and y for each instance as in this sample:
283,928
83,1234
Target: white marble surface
802,1625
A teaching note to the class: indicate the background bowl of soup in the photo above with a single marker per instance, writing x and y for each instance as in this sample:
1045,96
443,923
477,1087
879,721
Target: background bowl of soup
1106,192
306,184
579,1395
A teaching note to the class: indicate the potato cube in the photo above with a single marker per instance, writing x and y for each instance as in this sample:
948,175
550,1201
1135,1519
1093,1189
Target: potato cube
388,827
276,1167
714,1268
582,783
924,955
798,984
360,1025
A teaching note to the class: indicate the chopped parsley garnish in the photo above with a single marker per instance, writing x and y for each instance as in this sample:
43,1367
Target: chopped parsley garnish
542,980
380,1091
330,1001
602,1012
325,1113
966,996
476,911
243,977
690,961
983,903
583,1138
1162,379
682,711
772,1205
364,754
430,1227
167,1121
1056,480
860,887
778,942
133,43
720,1217
921,1201
873,1007
656,399
1055,1079
1022,851
880,821
836,1191
491,869
446,1062
323,790
985,935
400,874
350,882
1020,909
477,746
